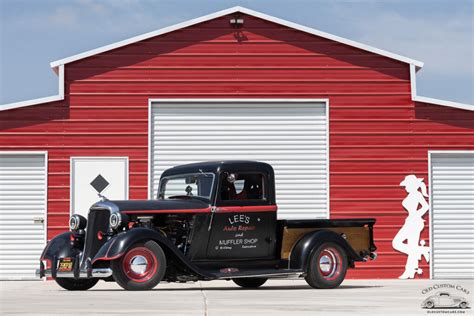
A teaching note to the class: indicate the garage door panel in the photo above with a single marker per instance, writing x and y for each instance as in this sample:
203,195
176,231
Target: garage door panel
22,200
452,214
291,136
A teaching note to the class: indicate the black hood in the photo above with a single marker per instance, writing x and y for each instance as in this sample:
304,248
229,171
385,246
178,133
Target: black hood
159,205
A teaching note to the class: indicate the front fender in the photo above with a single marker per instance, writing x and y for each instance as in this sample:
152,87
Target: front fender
120,243
303,248
60,247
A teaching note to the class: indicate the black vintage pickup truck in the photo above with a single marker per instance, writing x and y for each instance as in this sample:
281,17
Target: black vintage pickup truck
211,220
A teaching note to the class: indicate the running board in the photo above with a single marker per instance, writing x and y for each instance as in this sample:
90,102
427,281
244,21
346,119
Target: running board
232,273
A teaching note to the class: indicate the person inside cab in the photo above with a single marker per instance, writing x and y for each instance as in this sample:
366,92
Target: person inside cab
242,187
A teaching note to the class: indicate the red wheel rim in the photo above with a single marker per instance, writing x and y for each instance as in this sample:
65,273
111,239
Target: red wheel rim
140,264
329,263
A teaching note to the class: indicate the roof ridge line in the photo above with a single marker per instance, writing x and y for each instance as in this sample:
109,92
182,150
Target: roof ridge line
224,12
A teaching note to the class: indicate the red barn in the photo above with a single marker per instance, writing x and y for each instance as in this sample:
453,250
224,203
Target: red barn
340,121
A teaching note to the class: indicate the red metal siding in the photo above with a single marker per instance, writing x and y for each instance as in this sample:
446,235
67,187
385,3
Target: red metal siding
377,134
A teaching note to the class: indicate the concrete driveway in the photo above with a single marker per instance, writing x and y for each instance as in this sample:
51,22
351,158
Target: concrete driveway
223,298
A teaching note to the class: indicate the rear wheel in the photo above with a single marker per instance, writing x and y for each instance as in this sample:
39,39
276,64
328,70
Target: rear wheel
327,266
250,282
141,268
76,285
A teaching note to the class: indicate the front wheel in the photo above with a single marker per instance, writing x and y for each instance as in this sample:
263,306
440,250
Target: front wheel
327,266
250,282
141,268
76,284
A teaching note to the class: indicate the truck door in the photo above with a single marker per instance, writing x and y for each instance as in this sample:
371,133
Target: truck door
243,224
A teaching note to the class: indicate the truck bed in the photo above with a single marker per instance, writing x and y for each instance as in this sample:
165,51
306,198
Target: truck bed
358,232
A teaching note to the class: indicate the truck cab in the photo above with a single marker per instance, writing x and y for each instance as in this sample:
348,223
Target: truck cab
241,223
210,220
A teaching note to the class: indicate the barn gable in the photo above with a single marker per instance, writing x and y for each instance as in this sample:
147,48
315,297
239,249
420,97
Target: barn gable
262,27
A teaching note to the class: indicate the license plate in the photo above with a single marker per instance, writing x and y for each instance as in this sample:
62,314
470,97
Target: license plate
65,265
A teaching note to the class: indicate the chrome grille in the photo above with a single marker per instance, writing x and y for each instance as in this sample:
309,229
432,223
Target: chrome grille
98,220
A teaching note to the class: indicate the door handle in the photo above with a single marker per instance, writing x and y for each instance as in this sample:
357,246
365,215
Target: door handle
38,220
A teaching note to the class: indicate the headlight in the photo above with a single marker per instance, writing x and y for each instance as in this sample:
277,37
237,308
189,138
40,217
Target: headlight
77,222
117,219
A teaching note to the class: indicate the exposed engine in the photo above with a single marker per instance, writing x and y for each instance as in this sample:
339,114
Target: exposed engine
176,227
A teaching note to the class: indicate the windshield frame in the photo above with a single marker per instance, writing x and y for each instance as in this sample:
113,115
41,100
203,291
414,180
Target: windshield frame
182,175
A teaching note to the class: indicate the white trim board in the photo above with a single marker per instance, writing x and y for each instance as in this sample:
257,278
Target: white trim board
416,98
58,65
230,11
53,98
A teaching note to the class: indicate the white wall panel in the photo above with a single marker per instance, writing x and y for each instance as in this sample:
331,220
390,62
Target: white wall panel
23,185
452,212
291,136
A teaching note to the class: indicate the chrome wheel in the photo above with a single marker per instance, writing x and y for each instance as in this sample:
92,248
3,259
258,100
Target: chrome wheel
138,264
329,263
327,266
141,268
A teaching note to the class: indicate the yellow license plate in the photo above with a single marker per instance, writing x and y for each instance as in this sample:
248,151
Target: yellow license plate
65,265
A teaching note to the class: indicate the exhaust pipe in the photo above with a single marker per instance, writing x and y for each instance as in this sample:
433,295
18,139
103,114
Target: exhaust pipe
371,256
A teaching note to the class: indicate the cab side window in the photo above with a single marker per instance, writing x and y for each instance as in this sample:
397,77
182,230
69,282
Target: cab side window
243,186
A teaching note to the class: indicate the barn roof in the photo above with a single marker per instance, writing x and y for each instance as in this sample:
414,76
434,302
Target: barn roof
225,12
58,65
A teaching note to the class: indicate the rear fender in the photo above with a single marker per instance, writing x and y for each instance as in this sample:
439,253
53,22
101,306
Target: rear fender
304,247
118,245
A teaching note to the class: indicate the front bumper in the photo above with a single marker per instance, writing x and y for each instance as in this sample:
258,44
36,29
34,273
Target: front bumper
94,273
51,269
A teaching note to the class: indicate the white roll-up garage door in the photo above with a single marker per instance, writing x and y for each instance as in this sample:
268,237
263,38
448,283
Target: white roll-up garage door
452,215
291,136
22,213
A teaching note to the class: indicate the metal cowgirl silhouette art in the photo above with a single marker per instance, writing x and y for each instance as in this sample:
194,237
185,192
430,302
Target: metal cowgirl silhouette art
416,206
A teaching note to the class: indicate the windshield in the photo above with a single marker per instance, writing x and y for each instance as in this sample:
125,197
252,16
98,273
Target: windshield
186,186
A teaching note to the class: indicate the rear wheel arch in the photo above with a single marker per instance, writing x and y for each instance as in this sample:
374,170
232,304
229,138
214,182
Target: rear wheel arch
304,248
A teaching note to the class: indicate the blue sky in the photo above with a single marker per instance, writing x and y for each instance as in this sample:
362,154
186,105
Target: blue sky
440,33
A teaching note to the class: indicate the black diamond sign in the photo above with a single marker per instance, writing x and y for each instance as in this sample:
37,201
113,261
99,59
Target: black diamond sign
99,183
